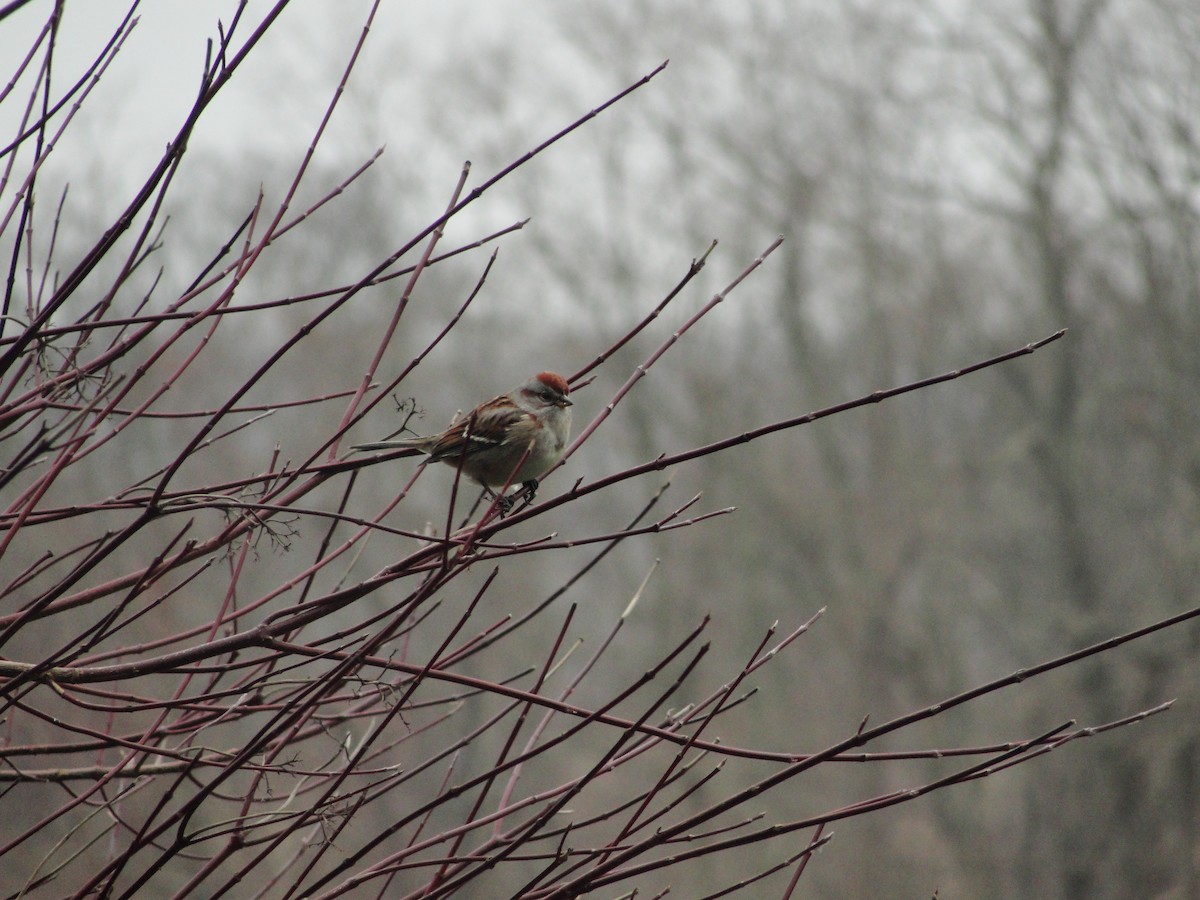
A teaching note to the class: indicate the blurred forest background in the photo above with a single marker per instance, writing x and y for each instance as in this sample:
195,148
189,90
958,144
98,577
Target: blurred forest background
952,179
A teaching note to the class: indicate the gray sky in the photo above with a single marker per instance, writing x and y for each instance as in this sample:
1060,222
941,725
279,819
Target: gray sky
136,107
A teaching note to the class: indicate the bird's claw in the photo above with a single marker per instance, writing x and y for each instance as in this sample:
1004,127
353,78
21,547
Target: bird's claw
527,493
507,503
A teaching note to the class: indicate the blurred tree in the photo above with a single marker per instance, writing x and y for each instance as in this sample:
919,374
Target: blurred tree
944,176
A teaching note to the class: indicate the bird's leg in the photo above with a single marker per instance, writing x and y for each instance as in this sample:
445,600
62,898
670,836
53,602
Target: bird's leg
506,503
527,493
503,502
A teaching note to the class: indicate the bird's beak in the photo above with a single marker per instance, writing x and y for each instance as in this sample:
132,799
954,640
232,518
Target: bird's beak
564,402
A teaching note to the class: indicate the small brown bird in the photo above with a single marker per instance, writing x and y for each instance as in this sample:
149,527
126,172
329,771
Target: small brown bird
515,438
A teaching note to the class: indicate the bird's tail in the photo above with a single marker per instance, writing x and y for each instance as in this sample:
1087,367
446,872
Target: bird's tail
403,444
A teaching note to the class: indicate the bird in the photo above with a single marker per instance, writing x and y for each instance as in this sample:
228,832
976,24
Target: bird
514,438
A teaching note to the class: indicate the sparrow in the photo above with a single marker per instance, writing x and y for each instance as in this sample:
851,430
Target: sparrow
515,438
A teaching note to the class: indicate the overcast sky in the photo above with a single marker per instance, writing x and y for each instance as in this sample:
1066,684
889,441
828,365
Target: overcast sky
136,107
